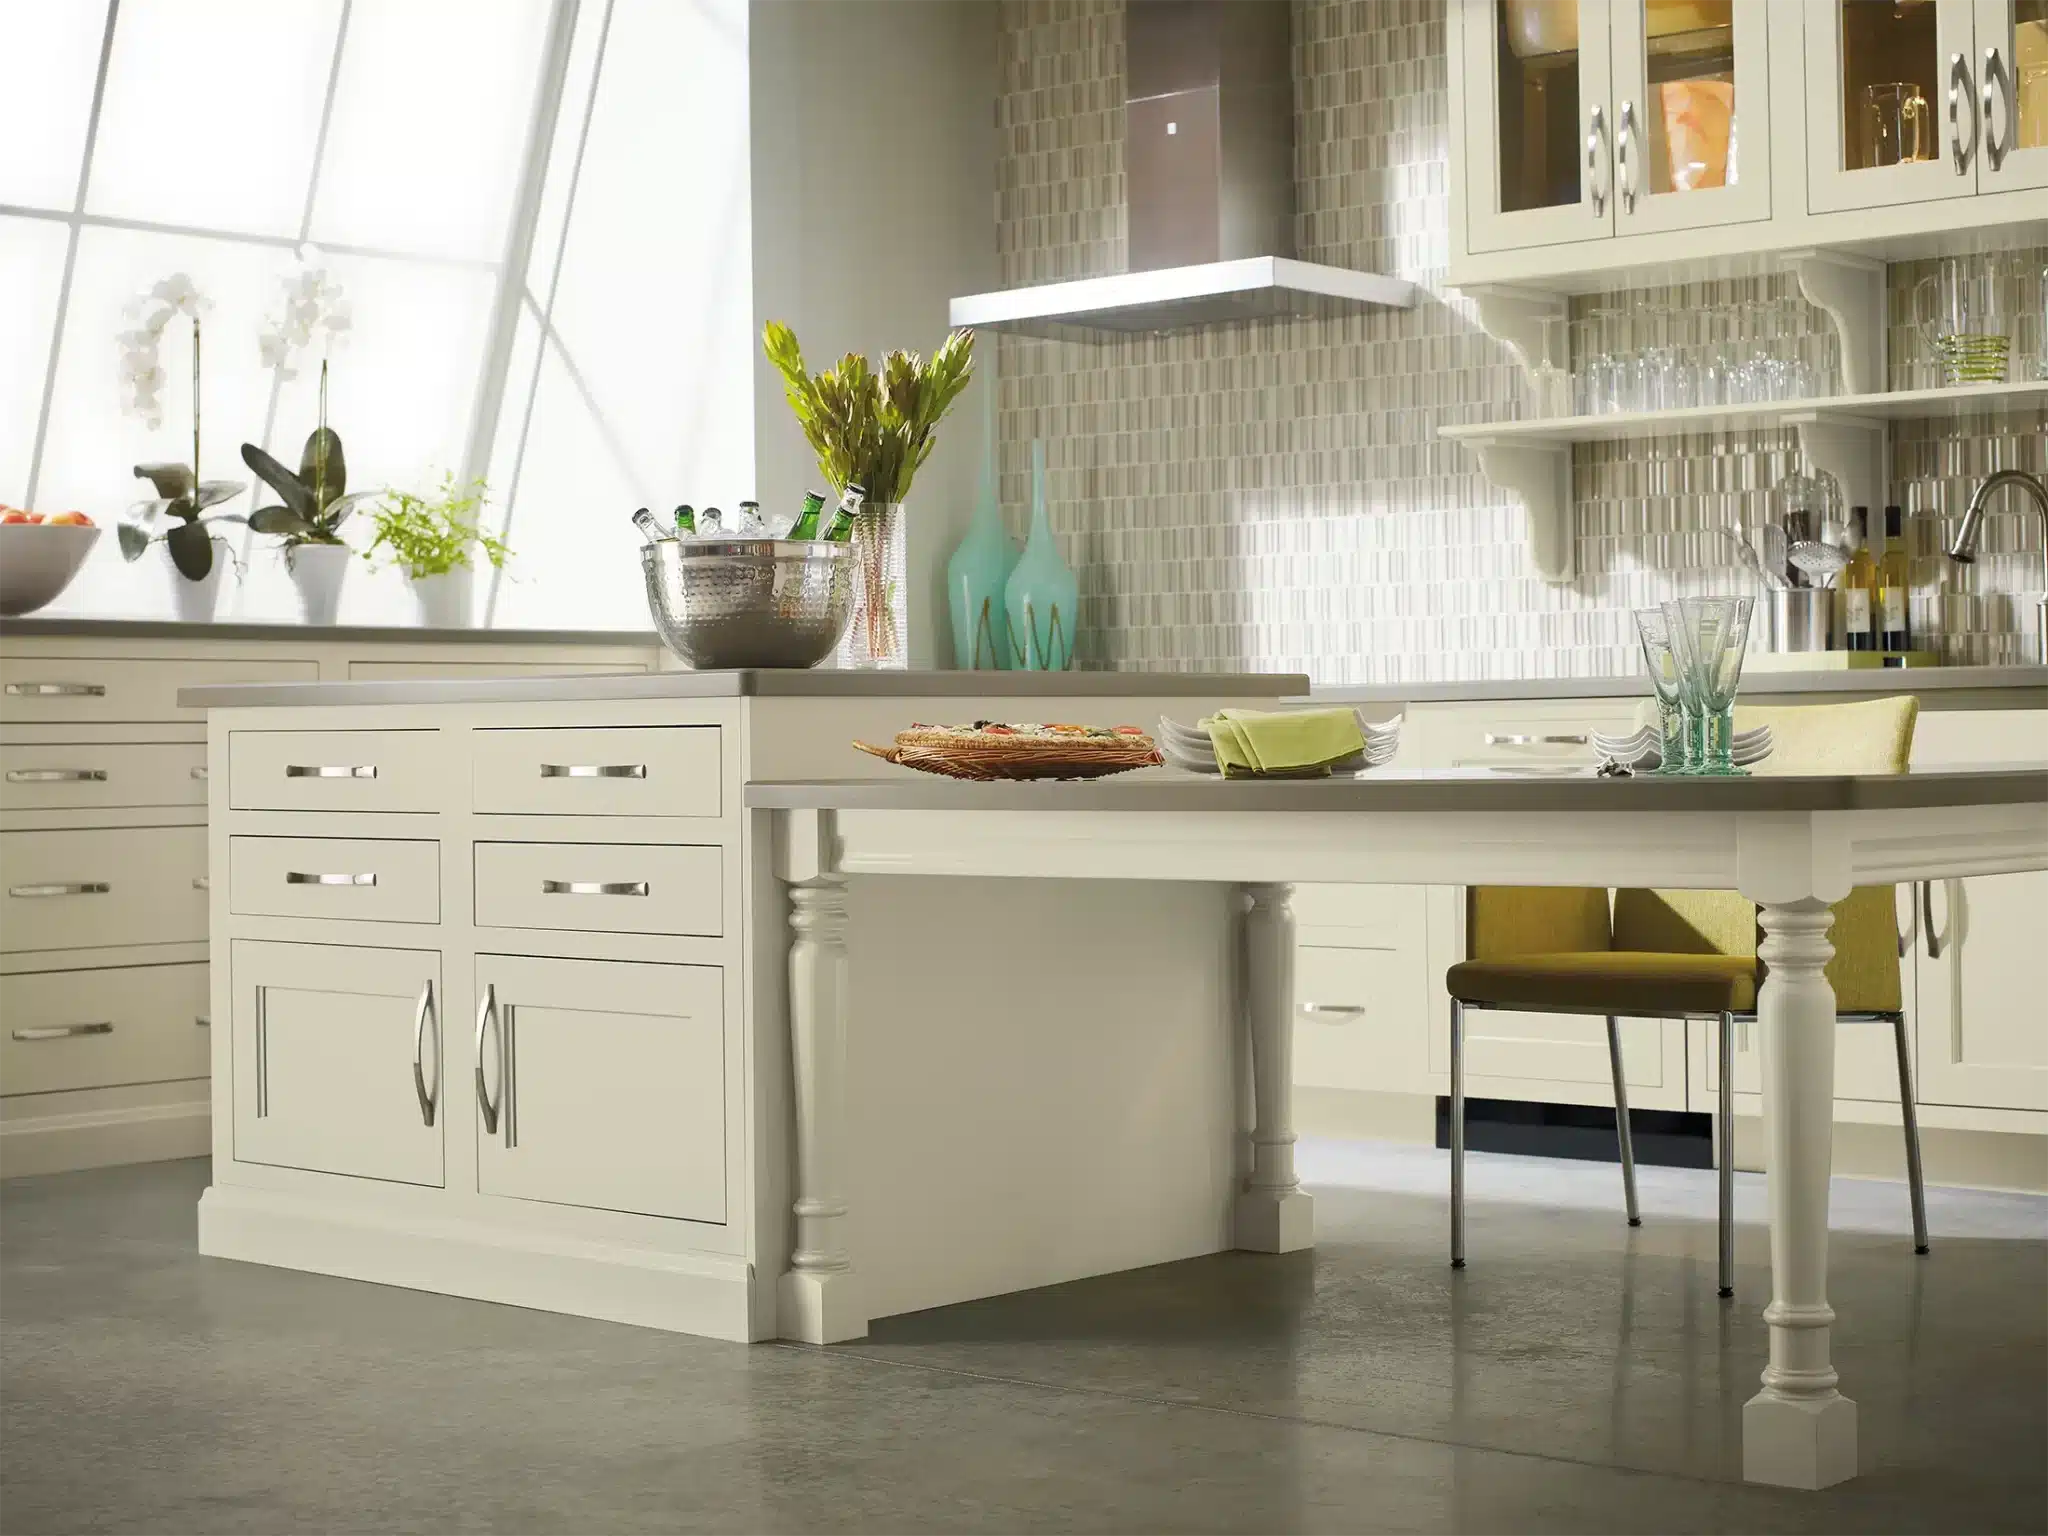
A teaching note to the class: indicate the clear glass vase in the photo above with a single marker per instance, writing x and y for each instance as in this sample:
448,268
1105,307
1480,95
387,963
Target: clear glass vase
878,637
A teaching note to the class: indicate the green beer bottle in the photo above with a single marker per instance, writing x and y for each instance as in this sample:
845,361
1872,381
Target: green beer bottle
849,505
686,520
807,520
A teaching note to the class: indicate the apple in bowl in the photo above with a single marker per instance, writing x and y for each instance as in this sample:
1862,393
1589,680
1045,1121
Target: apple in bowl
39,555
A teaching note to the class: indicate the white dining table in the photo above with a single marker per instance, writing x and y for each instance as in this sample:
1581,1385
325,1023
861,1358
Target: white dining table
1791,845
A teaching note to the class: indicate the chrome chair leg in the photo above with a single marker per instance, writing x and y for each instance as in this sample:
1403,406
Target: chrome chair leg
1621,1125
1457,1134
1909,1116
1724,1136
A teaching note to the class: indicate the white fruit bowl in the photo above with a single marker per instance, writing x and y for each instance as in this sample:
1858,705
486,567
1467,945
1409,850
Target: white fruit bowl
37,562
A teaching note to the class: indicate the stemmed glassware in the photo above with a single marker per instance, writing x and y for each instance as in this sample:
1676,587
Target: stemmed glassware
1667,678
1710,636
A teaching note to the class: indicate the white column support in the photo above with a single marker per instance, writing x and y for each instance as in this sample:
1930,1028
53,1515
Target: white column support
1851,289
1799,1431
818,1298
1539,475
1851,448
1273,1214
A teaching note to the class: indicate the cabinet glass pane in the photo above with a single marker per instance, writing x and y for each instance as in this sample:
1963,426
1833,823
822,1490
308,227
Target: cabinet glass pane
1688,133
2030,59
1891,71
1539,103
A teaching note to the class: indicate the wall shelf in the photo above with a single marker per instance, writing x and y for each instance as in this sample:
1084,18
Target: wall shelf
1841,434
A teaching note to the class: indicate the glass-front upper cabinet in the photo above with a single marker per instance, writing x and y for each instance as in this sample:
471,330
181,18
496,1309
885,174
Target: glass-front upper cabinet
2012,60
1893,112
1692,128
1539,125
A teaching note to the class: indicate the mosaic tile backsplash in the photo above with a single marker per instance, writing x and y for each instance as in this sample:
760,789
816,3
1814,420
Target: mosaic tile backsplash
1273,494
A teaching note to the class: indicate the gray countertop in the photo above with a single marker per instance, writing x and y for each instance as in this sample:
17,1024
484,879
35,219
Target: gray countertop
753,683
1991,687
311,634
1449,790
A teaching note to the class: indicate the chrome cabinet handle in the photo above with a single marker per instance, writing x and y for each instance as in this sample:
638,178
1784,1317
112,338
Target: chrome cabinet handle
1960,86
202,1021
420,1015
1333,1010
1596,136
302,877
62,1031
56,775
202,883
58,690
330,771
1934,942
262,1052
1518,739
74,888
486,1015
200,773
593,770
593,887
1996,74
1625,160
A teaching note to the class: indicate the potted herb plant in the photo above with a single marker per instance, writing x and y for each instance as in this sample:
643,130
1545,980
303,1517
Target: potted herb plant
873,428
430,538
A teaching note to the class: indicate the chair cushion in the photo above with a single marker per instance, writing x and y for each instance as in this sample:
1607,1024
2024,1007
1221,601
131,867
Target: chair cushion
1610,981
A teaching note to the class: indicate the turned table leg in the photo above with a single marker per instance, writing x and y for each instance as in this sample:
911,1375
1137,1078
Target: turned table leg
1798,1432
817,1300
1273,1214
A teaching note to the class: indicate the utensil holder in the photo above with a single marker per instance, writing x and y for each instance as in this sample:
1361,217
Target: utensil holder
1801,619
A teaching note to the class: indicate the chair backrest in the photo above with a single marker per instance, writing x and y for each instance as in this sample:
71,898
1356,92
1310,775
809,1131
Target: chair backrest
1868,736
1502,921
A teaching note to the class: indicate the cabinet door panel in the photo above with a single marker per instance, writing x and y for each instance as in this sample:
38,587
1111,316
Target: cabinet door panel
325,1046
1983,1024
1538,73
1878,120
607,1085
2012,45
1692,113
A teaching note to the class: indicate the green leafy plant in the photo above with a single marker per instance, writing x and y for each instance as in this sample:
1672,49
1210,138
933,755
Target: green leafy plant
867,427
174,519
433,535
314,506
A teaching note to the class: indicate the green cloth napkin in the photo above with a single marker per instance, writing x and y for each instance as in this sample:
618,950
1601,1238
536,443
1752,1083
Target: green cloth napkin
1294,741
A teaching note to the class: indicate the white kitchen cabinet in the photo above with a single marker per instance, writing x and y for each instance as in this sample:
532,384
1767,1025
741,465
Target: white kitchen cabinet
1692,113
338,1059
601,1084
2012,58
1362,1017
1982,989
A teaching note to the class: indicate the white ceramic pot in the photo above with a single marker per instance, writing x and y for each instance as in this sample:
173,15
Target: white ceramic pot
443,599
194,601
317,573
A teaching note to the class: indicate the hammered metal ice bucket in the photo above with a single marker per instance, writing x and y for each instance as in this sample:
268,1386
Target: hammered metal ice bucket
749,602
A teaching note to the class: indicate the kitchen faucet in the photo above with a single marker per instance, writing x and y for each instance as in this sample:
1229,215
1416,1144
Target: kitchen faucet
1964,550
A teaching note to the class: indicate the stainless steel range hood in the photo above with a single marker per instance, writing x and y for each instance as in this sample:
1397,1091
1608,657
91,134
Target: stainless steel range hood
1209,163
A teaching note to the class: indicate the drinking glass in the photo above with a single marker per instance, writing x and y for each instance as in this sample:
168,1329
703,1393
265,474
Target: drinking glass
1897,127
1691,732
1713,636
1667,682
1964,310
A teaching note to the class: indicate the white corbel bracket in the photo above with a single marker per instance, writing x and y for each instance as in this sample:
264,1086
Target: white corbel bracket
1851,289
1851,448
1541,475
1513,314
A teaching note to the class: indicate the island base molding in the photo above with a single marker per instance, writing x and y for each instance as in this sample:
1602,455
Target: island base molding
677,1292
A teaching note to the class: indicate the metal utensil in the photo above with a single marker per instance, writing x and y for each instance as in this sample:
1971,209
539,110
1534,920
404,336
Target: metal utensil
1746,555
749,602
1821,562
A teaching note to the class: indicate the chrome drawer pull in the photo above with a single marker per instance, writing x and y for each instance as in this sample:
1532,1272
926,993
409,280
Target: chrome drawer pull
58,690
300,877
200,773
56,775
80,888
201,883
593,887
201,1021
1333,1010
62,1031
330,771
1518,739
593,770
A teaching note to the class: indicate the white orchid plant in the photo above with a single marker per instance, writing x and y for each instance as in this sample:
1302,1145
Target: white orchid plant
311,306
149,314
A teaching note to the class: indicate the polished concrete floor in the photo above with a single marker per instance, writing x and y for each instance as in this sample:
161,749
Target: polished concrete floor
1578,1377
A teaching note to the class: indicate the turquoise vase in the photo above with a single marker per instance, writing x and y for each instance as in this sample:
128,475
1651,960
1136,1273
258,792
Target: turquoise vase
979,572
1042,596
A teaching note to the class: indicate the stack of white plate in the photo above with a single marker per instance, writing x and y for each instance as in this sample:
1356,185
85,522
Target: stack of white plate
1189,747
1640,750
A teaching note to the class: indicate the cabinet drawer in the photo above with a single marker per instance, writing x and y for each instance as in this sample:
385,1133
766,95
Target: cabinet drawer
103,776
613,771
103,1029
367,879
1346,1003
601,887
1372,914
1489,735
54,689
333,770
126,885
603,1085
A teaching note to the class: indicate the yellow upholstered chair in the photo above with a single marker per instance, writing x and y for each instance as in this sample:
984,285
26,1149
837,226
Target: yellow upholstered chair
1689,955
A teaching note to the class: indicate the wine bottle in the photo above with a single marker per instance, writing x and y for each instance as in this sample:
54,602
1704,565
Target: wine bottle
686,520
1894,621
1859,588
650,530
807,520
854,498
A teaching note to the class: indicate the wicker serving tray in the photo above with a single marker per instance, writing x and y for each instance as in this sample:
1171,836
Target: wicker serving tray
1018,757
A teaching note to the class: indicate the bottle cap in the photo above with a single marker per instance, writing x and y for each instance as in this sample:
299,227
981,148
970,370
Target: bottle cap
1893,522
